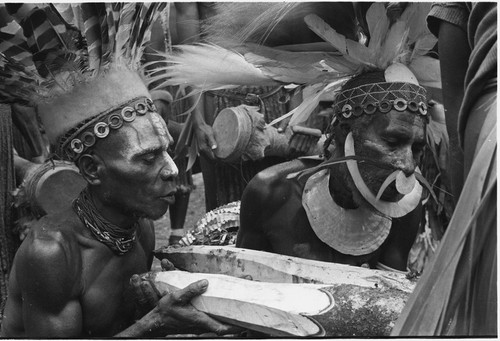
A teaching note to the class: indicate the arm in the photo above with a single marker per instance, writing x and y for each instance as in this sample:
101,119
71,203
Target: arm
47,276
188,29
252,214
174,313
305,136
454,54
187,22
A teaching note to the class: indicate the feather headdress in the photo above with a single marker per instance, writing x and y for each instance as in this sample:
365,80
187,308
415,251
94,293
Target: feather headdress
240,61
61,66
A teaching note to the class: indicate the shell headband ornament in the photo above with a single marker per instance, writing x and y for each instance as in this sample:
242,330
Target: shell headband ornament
382,98
78,140
79,64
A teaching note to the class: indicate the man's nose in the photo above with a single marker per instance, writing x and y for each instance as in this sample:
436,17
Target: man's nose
406,162
169,171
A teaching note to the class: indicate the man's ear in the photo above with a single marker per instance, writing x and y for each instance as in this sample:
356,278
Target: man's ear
90,166
341,131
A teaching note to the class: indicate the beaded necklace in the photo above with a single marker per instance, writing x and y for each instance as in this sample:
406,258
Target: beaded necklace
117,239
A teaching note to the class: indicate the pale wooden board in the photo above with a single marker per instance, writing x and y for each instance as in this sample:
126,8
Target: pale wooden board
271,267
266,307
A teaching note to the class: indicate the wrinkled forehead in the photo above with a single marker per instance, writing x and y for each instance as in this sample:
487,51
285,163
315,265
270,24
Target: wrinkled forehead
145,132
396,119
402,124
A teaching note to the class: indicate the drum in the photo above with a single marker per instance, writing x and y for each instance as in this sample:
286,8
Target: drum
51,187
240,133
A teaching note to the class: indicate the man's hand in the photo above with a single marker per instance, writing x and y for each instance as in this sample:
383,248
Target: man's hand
177,313
303,141
146,296
206,139
166,265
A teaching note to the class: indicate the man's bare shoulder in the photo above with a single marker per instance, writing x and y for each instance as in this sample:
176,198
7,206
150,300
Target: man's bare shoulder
52,247
273,182
63,226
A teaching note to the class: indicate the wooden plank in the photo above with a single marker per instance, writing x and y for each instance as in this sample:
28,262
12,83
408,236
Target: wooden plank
291,309
270,267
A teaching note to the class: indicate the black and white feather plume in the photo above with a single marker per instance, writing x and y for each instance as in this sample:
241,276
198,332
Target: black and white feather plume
45,48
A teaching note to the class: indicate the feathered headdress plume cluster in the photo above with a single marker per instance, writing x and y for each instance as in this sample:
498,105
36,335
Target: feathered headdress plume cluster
43,48
241,61
34,44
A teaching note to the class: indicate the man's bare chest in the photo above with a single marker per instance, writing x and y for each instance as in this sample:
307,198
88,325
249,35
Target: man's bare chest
106,299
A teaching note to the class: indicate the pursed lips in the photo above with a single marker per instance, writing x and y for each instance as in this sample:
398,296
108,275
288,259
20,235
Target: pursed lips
169,190
169,194
169,198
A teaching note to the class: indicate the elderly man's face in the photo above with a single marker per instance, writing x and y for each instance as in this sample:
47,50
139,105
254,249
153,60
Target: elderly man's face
396,139
139,174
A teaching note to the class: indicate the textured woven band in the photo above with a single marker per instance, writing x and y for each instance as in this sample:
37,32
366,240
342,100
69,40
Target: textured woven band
380,97
79,139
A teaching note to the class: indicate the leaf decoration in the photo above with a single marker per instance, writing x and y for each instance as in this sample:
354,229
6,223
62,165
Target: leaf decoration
351,50
393,44
302,112
427,71
378,25
192,154
445,282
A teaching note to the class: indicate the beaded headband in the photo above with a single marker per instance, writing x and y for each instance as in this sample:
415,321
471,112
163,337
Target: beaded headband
382,97
79,139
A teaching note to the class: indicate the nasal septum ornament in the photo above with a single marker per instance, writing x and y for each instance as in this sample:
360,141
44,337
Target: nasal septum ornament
409,187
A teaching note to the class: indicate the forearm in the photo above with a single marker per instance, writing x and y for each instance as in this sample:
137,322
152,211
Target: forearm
454,55
188,22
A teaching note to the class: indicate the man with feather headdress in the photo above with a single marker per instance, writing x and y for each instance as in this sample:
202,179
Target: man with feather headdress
71,276
382,103
338,212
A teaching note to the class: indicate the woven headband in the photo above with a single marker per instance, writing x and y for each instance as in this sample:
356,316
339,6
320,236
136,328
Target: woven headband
79,139
382,97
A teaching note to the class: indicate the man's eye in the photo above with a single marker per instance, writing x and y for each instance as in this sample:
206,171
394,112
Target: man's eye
149,159
391,141
418,148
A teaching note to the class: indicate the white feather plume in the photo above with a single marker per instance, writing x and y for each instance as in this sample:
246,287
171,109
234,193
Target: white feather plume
209,67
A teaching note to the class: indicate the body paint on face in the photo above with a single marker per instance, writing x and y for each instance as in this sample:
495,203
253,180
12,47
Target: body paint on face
392,209
161,128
